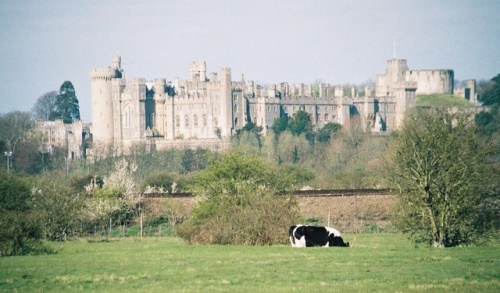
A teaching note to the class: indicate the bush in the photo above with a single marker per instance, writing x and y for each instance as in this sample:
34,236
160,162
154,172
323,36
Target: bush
263,220
20,228
59,208
239,204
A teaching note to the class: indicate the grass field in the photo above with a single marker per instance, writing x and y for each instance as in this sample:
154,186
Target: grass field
375,263
442,100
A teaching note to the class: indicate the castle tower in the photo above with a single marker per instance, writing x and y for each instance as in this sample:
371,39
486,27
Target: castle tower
405,99
395,70
394,73
226,102
160,115
101,80
198,71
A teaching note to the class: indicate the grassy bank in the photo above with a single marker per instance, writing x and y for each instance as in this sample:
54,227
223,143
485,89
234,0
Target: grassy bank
442,100
375,263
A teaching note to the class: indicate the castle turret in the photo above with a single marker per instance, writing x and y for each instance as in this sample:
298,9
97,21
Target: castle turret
117,61
198,71
101,80
159,87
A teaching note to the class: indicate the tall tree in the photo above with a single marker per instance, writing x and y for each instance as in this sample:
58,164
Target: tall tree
45,106
446,187
67,107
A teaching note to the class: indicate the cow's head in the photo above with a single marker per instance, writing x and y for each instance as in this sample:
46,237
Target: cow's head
337,241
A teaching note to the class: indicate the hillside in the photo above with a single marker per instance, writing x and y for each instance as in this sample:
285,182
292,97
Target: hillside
442,100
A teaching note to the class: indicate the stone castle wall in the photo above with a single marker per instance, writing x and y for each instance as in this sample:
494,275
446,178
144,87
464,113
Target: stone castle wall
206,107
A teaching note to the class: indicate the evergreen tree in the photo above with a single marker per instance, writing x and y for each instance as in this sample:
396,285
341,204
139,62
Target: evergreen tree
301,123
67,107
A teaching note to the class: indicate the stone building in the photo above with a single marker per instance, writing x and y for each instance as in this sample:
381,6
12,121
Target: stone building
204,110
468,91
68,137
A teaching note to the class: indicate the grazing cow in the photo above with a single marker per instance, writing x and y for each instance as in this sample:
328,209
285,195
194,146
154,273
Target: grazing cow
307,236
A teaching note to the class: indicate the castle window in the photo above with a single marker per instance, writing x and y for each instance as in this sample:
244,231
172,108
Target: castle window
326,117
275,108
204,117
177,121
186,121
235,108
235,97
236,121
195,120
216,122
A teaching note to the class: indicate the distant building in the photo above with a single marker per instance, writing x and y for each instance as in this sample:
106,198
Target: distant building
468,91
68,137
204,110
429,81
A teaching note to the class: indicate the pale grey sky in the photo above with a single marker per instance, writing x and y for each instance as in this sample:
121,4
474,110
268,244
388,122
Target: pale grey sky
44,43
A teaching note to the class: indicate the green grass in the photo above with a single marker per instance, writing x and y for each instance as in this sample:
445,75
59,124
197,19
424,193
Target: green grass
442,100
375,263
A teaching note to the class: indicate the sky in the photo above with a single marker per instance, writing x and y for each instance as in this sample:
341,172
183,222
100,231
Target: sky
44,43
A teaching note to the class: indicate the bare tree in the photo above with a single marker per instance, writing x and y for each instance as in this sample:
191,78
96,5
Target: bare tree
14,127
45,106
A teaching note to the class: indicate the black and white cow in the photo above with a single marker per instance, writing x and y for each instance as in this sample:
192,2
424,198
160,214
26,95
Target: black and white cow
307,236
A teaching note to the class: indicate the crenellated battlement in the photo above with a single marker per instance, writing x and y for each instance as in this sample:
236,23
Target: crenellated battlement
106,73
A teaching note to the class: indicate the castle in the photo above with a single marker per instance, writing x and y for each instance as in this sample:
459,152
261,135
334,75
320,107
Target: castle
204,110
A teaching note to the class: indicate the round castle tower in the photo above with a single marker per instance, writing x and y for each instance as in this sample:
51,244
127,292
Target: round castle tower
102,100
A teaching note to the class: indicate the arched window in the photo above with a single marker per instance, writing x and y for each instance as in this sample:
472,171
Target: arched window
236,121
204,117
186,121
195,120
177,121
216,122
235,108
326,117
